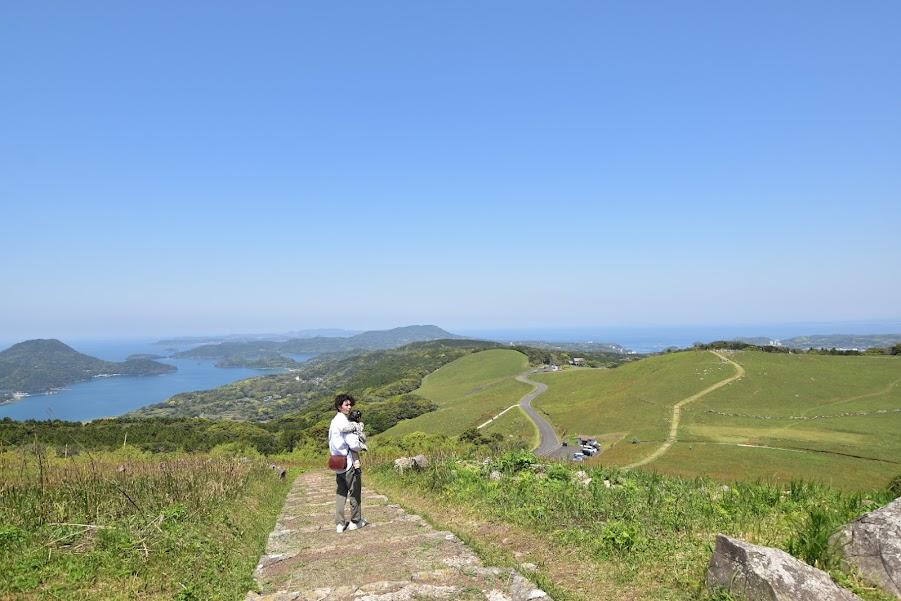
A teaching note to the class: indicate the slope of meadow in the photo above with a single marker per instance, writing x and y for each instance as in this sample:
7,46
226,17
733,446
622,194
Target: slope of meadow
632,402
468,392
130,525
828,418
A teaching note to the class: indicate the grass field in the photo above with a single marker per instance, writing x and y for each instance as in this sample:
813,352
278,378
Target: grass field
633,401
133,526
468,392
829,418
515,425
839,417
627,534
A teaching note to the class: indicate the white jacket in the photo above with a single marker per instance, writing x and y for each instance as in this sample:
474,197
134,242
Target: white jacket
342,443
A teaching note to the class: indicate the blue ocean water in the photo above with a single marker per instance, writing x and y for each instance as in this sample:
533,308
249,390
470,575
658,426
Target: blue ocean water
108,397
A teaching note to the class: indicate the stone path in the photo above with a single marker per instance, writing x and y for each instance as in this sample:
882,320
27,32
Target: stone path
397,557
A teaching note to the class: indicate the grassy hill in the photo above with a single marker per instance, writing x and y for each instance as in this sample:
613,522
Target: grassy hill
633,401
366,341
39,365
829,418
376,375
468,391
826,417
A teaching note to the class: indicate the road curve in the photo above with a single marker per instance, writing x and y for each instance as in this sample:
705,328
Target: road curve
677,411
549,443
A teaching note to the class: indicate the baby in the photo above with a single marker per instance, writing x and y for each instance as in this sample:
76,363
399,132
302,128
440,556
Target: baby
355,426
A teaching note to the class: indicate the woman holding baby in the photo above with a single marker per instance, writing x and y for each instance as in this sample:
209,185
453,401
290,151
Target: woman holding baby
346,439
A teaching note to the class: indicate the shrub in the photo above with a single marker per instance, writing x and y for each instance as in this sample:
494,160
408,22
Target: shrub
894,486
515,461
811,542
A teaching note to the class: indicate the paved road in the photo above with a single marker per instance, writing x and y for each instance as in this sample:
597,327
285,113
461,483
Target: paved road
549,443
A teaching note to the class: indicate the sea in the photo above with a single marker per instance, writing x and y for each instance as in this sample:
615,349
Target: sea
114,396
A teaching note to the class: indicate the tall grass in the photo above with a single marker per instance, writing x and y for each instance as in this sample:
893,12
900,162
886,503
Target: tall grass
128,525
655,532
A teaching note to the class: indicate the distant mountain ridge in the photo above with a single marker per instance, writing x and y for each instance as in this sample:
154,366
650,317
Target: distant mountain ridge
39,365
367,341
312,333
828,341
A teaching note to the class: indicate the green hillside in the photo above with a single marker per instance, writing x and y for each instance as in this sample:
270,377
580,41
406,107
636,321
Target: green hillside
468,392
40,365
633,401
828,418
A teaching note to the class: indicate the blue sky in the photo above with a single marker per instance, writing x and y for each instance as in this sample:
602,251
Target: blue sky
179,168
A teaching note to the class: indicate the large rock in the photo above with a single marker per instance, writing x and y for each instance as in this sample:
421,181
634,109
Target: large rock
872,544
402,464
421,461
765,574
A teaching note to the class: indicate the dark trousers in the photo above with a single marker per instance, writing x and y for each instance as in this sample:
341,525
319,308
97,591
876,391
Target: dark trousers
350,484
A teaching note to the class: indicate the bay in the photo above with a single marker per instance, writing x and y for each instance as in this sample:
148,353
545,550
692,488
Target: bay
109,397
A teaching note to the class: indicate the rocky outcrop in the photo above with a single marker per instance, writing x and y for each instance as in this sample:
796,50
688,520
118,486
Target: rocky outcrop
402,464
872,545
765,574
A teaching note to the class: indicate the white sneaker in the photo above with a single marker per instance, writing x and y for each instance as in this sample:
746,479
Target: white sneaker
356,525
339,528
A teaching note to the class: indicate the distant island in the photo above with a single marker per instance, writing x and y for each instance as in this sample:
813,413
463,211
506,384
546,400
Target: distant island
326,332
276,353
144,356
37,366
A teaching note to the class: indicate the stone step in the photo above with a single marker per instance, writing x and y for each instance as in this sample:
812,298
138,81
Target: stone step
397,557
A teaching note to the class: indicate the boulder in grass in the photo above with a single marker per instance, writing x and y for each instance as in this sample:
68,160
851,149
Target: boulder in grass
765,574
421,461
403,464
872,545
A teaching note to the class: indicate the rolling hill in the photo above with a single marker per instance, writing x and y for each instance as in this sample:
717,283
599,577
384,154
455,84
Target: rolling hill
791,416
39,365
468,391
367,341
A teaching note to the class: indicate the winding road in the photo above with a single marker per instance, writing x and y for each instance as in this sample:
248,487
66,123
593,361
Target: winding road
549,443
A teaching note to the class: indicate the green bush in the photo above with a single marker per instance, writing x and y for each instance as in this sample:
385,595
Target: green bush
894,486
811,542
514,461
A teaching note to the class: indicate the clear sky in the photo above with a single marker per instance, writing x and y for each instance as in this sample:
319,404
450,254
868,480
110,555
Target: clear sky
188,167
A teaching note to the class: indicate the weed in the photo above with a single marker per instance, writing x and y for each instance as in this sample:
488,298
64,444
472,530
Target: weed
811,542
653,532
125,525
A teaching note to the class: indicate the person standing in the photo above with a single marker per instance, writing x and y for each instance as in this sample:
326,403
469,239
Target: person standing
342,439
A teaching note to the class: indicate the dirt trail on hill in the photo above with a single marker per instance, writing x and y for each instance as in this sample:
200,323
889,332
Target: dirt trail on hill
397,557
677,411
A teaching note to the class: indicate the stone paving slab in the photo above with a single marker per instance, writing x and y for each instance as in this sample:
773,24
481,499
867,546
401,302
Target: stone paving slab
397,557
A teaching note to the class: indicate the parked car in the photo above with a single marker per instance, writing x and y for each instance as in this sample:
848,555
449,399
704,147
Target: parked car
578,457
589,450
